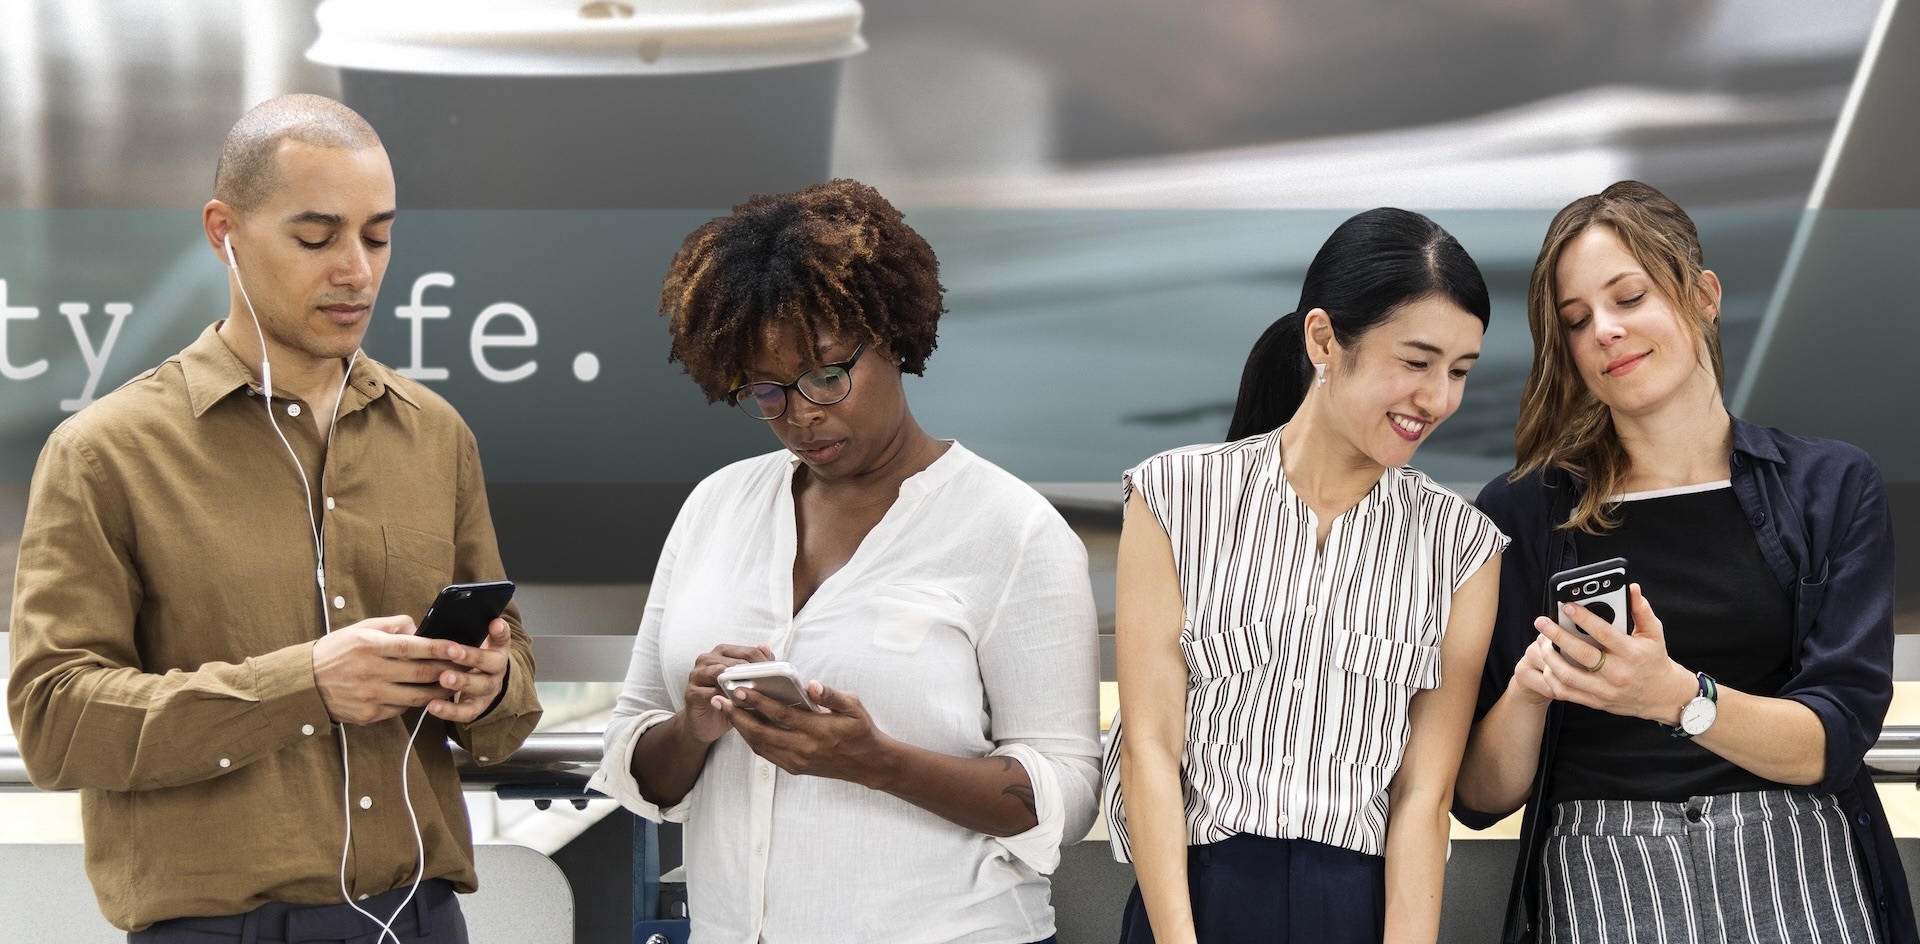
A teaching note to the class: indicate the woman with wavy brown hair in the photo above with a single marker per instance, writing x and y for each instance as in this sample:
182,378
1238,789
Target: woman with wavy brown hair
1698,777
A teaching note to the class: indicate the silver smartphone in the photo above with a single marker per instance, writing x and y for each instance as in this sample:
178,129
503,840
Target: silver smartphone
776,680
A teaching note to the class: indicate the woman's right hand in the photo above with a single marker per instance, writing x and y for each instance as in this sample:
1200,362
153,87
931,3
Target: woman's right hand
705,716
1530,684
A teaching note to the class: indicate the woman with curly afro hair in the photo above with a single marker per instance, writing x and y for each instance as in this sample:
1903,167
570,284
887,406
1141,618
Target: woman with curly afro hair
872,558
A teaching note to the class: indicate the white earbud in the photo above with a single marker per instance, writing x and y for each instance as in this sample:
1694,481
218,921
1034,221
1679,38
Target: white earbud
227,241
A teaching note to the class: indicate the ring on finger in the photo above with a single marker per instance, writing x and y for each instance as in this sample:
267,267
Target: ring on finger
1597,663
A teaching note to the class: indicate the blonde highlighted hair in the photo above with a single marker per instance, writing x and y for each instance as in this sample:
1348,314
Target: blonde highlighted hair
1562,424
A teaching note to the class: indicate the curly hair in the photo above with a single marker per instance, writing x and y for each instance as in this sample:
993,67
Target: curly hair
833,258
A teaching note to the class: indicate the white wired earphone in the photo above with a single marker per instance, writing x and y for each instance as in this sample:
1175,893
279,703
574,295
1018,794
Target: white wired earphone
326,621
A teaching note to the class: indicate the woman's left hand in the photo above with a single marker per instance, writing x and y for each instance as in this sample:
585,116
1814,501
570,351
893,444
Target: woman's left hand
1629,675
840,742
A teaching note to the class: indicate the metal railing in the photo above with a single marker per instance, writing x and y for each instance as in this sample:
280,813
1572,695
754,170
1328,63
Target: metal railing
557,765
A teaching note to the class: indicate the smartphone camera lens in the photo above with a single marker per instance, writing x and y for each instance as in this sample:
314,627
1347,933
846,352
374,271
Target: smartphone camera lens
1593,586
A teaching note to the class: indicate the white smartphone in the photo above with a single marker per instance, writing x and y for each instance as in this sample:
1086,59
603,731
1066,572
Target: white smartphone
776,680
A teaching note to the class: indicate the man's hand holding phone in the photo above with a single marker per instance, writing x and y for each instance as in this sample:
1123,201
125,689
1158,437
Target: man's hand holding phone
377,668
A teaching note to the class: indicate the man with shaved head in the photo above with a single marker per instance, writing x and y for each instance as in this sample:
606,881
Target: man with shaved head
213,625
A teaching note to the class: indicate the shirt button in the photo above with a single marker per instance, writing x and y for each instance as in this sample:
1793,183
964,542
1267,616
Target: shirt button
765,773
1311,609
329,502
293,409
1283,819
307,730
1286,761
486,760
1299,683
1693,816
1758,518
224,762
366,803
363,896
339,603
760,849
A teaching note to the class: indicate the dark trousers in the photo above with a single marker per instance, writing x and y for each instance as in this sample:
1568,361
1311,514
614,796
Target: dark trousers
1249,889
433,917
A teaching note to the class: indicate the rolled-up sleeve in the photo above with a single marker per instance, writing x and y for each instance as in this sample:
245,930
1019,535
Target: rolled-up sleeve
645,699
1846,664
1040,663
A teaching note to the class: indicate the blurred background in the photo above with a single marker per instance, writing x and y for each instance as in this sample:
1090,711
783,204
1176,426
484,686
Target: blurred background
1122,194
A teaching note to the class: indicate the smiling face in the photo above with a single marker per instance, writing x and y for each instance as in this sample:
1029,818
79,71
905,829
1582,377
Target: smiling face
1403,378
313,253
1630,343
841,440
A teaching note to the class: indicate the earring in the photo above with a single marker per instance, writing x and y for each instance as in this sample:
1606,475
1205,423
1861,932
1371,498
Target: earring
1320,375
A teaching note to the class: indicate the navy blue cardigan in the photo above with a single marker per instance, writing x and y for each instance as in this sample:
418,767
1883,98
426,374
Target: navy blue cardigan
1819,510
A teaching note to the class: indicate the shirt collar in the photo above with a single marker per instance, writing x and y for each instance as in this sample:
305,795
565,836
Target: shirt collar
1754,441
923,482
213,372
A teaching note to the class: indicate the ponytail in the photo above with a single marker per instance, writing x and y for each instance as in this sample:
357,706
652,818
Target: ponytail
1275,380
1371,265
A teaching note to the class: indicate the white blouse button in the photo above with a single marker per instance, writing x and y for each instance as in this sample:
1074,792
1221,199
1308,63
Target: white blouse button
293,409
1299,683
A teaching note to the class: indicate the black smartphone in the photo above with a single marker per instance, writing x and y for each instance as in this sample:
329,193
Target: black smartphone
461,612
1601,588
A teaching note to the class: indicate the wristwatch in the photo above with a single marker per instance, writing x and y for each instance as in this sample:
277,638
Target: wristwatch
1697,716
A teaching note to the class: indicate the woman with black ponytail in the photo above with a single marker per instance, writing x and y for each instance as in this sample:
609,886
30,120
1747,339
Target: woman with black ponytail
1302,620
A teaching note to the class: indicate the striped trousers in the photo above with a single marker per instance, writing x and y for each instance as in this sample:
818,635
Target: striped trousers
1740,868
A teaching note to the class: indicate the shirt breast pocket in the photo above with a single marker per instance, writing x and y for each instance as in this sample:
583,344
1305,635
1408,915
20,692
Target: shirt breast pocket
1223,689
903,615
1400,664
1374,685
1231,652
418,565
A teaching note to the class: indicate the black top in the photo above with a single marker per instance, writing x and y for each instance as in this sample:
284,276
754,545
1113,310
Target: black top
1819,512
1696,558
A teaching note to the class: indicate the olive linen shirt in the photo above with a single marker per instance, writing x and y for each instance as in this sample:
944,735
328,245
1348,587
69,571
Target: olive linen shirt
164,617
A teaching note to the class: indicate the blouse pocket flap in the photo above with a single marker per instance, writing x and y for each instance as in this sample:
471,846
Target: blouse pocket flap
1389,660
904,613
1226,653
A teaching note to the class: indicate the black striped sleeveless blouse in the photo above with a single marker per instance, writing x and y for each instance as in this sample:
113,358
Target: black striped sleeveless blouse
1301,662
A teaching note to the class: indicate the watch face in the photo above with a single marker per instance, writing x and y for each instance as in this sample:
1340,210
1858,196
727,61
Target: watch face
1698,716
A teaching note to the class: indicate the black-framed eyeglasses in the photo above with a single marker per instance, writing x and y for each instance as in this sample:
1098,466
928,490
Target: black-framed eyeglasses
825,385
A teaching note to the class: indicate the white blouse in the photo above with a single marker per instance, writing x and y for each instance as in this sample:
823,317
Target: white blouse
964,622
1301,662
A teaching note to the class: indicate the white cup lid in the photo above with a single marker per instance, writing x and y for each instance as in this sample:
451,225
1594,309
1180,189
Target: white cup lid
583,37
